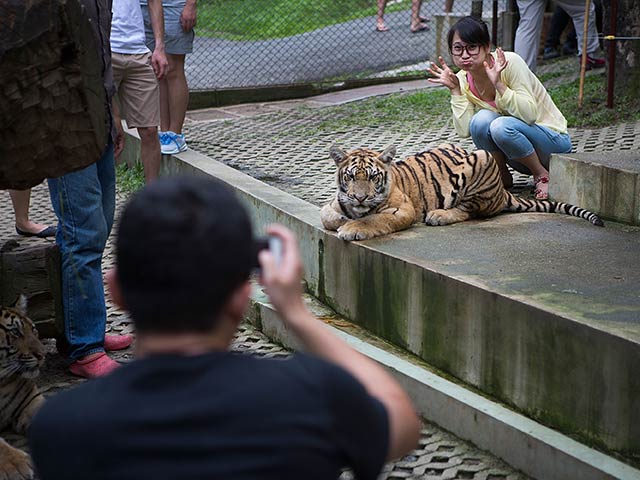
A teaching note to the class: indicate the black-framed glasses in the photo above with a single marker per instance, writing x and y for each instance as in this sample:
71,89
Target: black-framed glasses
471,49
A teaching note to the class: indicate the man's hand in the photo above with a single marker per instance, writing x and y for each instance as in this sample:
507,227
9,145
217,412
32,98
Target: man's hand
159,62
188,16
283,282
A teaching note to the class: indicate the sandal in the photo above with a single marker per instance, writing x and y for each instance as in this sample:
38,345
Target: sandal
419,28
542,186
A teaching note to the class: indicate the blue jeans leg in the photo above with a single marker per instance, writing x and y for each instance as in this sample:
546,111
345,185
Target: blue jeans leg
480,130
84,202
517,139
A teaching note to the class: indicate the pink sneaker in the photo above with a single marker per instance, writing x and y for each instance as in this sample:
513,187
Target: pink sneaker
117,342
95,365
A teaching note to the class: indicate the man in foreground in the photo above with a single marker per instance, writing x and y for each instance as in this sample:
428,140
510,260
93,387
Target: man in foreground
187,407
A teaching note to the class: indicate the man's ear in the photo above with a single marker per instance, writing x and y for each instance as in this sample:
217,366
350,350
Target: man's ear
238,302
111,278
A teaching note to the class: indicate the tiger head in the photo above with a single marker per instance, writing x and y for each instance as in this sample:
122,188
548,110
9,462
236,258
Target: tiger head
21,352
363,179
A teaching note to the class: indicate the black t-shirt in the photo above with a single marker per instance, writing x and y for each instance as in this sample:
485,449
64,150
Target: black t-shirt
214,416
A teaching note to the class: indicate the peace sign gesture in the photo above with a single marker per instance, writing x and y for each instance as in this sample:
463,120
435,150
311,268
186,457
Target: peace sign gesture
443,75
494,70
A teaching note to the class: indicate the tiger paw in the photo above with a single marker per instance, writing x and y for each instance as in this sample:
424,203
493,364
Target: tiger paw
331,219
350,232
445,216
14,464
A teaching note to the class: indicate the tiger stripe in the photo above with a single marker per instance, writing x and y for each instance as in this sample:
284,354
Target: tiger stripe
439,186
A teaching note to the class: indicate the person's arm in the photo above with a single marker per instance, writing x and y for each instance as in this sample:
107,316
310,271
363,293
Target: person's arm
188,16
283,285
513,87
158,57
461,107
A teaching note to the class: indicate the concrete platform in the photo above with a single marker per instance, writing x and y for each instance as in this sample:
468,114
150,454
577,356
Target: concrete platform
606,182
541,312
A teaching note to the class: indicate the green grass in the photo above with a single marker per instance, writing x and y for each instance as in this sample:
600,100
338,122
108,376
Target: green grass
129,179
408,112
427,109
262,20
594,112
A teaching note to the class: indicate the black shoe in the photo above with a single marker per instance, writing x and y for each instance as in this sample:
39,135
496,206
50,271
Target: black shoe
550,53
569,49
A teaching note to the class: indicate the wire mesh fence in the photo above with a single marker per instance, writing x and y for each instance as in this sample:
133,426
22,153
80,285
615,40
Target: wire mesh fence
255,43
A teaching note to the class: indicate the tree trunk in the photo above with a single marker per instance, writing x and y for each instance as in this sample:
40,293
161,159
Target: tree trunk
52,99
627,52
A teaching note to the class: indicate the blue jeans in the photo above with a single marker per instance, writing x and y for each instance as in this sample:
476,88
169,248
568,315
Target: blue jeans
516,139
84,202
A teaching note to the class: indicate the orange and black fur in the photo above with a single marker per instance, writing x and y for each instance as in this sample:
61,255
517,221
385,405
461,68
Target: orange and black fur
440,186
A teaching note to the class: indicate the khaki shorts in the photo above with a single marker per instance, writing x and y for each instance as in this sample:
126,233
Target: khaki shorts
138,90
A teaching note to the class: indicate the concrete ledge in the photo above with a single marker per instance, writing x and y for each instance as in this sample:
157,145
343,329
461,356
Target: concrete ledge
605,183
526,445
541,312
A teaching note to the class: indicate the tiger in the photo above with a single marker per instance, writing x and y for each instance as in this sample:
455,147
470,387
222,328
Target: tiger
440,186
21,356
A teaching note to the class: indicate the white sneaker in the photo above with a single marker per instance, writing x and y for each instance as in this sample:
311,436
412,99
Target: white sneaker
172,143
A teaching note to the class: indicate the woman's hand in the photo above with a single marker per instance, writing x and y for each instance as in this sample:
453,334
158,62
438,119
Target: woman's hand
443,75
494,71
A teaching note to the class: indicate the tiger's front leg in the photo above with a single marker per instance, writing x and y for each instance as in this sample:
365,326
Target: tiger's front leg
331,217
389,220
14,464
448,216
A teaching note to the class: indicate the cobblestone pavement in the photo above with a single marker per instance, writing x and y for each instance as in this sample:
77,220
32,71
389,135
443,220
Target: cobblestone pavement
440,455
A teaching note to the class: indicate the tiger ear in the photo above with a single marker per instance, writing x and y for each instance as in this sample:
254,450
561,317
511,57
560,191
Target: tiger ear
21,304
388,154
337,154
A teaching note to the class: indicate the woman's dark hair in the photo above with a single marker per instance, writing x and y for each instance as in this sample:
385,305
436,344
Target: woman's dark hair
471,30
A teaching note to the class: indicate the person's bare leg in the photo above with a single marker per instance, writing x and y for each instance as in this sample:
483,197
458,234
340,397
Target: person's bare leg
416,22
149,152
505,174
165,118
178,92
380,25
21,200
539,172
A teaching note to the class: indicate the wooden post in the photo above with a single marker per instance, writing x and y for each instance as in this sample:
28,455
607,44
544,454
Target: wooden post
583,62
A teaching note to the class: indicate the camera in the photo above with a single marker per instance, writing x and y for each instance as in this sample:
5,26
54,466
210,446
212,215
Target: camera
271,243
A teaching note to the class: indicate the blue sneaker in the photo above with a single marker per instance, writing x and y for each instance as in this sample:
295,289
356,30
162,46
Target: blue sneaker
172,143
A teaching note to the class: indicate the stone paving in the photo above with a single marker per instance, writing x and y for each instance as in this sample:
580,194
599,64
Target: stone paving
440,455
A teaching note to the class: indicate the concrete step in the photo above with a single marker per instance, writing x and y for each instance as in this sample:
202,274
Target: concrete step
607,183
541,312
526,445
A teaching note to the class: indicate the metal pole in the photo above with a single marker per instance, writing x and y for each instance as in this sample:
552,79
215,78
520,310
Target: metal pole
583,63
611,53
494,24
